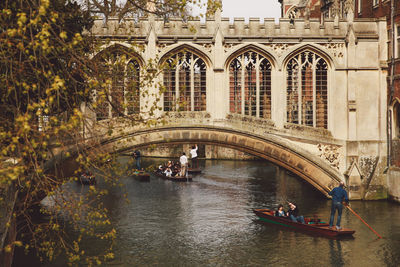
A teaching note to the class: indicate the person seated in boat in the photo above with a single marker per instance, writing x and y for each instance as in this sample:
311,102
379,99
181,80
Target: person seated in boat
176,170
170,164
293,213
280,212
160,169
168,172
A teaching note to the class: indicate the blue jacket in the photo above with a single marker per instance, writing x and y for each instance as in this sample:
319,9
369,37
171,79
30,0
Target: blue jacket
338,194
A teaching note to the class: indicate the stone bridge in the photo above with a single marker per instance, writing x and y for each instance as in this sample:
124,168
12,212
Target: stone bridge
272,148
312,154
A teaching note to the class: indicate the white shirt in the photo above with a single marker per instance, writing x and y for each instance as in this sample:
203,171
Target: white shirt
183,160
193,152
168,173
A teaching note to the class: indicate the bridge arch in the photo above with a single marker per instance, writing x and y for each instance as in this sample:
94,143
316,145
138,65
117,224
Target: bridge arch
272,148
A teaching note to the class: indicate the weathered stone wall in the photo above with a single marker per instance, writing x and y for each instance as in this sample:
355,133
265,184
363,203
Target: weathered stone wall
394,183
210,152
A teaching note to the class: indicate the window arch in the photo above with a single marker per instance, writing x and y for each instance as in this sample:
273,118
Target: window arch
250,85
122,97
396,121
185,81
307,90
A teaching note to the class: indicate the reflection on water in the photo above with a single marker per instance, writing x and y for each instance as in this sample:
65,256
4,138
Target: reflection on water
209,222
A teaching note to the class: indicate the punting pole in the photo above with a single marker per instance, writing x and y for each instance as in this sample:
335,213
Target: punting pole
347,206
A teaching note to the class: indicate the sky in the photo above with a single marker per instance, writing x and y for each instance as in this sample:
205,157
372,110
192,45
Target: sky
251,8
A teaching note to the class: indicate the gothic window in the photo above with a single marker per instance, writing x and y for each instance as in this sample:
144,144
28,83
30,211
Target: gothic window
396,120
307,90
132,92
122,95
185,83
250,85
235,85
397,41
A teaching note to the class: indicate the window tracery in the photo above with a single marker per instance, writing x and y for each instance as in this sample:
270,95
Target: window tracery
122,97
185,83
307,90
250,85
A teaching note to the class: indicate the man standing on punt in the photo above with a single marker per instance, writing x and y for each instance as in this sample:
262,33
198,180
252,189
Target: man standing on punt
338,196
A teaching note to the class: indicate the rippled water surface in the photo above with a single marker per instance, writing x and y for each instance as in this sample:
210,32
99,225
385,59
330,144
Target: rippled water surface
209,222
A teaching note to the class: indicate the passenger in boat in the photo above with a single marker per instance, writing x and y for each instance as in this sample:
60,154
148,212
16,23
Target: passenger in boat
170,164
338,196
176,169
184,163
193,154
280,212
168,172
160,169
293,213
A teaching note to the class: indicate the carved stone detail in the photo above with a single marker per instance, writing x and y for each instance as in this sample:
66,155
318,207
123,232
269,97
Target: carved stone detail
227,47
368,165
160,47
279,49
208,47
336,49
349,6
330,154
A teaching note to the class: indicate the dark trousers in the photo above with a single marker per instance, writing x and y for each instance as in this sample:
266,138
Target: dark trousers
339,207
194,163
138,163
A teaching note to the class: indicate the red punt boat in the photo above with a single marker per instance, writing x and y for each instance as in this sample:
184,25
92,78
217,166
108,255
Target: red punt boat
312,226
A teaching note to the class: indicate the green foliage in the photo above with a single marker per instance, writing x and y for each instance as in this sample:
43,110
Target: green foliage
47,73
44,65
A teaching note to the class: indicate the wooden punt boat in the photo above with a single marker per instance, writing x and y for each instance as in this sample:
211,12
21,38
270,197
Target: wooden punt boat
174,178
312,226
140,175
194,171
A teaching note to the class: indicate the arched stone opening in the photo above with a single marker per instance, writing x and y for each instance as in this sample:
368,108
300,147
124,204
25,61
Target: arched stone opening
250,83
184,80
396,120
118,69
307,84
283,153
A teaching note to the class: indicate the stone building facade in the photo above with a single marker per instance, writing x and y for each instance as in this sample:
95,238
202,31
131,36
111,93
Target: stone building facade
390,10
367,9
321,84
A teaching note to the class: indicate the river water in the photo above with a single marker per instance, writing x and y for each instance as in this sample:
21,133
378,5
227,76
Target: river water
209,222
